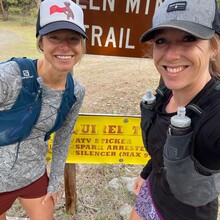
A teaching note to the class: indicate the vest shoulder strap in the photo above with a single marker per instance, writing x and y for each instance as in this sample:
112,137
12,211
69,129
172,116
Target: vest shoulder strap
66,104
209,103
28,73
29,82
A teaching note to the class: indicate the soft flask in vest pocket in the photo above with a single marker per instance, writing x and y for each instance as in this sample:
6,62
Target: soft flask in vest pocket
185,182
147,112
17,122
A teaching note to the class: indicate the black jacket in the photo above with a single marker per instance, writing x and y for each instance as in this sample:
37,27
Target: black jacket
206,152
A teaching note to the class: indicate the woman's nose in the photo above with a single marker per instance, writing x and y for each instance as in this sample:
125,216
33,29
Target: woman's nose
173,52
64,44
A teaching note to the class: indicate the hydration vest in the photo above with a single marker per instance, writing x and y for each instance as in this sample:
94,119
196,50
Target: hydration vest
17,123
189,181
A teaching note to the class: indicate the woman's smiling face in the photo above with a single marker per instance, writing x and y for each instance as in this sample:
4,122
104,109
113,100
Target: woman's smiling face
62,49
181,59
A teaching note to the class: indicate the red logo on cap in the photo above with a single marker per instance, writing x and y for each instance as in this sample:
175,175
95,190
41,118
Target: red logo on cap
66,10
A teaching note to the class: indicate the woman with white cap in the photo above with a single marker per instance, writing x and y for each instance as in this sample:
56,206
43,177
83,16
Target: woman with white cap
186,52
61,38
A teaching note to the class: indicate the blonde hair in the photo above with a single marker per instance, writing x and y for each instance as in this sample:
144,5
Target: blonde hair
214,66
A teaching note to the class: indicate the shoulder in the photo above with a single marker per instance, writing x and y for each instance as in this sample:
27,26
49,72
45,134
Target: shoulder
10,83
79,89
9,70
207,101
10,74
210,122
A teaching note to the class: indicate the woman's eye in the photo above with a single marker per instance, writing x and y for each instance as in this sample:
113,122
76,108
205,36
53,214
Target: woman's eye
160,41
189,38
53,38
74,39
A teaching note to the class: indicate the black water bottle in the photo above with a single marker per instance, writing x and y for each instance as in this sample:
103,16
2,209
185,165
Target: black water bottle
180,124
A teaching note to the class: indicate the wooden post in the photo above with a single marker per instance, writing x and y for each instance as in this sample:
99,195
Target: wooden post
70,188
4,12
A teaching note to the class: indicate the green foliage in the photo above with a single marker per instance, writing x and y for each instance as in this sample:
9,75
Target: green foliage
20,7
22,40
25,22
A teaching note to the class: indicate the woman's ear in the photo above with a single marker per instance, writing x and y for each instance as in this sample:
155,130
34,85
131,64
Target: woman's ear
40,44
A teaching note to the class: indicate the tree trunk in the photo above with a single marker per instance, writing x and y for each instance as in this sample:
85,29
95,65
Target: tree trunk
38,2
4,12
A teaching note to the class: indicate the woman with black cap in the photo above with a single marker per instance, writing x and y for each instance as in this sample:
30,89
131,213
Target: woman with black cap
181,181
61,38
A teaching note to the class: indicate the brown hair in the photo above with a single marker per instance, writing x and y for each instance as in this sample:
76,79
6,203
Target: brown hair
214,67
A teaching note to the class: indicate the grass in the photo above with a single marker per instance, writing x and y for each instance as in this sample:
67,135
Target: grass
18,38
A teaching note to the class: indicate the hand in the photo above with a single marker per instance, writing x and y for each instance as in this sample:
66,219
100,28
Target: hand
48,196
138,184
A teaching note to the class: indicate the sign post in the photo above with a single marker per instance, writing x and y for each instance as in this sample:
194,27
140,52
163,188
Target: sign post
70,188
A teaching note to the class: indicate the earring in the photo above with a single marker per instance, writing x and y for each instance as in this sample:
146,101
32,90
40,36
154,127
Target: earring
213,57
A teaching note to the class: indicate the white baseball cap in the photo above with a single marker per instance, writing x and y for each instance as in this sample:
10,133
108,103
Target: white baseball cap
56,15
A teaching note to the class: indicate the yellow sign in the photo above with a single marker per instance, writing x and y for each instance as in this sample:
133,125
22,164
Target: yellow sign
106,139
